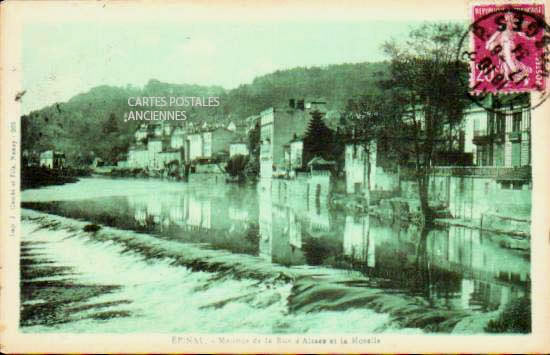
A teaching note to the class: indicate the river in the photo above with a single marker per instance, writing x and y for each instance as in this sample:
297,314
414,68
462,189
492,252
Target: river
209,257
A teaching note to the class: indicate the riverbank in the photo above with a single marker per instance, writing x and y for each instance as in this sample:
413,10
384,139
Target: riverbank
36,177
407,210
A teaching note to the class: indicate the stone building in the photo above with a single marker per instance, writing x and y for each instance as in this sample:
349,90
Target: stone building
177,138
155,145
356,170
503,137
193,147
278,127
215,141
138,157
294,153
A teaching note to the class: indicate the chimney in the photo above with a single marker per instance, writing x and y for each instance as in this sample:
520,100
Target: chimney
292,103
300,105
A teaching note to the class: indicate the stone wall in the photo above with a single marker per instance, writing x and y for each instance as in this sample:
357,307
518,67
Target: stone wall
470,197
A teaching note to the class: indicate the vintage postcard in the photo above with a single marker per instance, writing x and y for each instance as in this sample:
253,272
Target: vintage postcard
275,177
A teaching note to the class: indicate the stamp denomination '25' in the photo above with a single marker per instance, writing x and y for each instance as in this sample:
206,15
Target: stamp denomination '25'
509,49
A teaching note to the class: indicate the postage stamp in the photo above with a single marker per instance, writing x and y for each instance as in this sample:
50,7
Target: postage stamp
509,48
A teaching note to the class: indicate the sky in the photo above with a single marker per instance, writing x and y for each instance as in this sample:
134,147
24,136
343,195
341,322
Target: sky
62,59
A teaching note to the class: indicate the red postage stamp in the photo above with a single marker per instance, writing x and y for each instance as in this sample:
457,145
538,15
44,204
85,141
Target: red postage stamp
509,46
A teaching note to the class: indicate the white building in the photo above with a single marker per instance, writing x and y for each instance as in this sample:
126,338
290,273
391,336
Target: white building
502,138
154,147
177,139
238,148
138,157
296,154
194,145
52,160
141,133
356,168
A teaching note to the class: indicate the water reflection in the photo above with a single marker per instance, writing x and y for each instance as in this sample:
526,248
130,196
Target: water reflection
455,267
282,222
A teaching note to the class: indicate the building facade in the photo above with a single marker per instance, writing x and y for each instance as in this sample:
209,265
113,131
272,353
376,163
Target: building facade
52,159
277,127
238,148
177,138
216,141
154,147
138,157
193,146
357,166
503,138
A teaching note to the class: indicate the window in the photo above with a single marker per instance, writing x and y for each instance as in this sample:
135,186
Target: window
516,122
501,122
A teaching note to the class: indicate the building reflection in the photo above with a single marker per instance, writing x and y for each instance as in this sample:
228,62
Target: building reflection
456,267
192,211
288,218
359,243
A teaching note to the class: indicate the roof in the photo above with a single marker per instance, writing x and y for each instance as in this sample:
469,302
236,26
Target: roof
212,129
320,161
170,150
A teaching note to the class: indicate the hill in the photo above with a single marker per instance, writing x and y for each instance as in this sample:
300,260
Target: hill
92,123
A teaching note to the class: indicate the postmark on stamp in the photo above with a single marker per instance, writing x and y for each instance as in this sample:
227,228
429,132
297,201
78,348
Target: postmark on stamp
508,50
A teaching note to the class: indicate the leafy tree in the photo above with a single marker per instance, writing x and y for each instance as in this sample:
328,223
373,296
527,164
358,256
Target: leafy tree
236,166
428,96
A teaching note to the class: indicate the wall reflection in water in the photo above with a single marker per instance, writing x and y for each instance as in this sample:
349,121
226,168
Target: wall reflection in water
284,223
454,267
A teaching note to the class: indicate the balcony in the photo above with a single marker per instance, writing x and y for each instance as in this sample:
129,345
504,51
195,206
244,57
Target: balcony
481,137
495,172
514,136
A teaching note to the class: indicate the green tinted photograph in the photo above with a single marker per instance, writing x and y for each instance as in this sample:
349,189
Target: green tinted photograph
272,177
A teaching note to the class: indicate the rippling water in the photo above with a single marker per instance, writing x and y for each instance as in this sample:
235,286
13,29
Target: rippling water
209,258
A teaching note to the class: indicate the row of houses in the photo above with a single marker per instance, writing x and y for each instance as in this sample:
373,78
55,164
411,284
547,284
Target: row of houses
497,142
160,144
51,159
498,139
